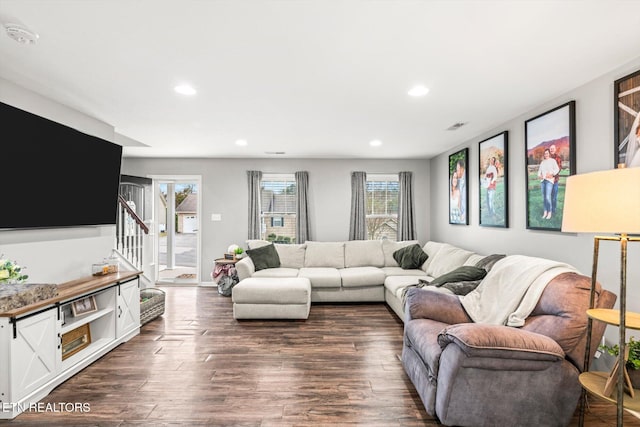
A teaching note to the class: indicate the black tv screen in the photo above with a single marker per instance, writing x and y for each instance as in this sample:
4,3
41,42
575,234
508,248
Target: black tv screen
53,175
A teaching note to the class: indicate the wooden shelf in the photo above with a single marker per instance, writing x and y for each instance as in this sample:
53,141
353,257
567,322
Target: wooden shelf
612,317
76,322
594,382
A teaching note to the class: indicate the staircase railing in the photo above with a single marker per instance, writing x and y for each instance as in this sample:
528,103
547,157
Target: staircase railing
130,230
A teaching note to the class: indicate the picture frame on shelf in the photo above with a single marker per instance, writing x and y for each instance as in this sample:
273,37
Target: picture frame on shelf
493,179
75,340
549,140
626,121
458,189
84,306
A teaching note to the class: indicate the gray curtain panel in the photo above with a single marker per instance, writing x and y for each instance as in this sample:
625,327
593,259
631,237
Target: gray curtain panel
358,223
303,226
406,219
253,179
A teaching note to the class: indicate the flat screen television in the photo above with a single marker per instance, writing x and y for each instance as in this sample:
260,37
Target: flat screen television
53,175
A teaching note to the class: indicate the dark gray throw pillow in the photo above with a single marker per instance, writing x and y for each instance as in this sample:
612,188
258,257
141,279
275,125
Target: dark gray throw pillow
460,274
488,261
264,257
462,288
411,256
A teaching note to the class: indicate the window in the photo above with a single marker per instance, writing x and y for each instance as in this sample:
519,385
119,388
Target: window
382,206
278,203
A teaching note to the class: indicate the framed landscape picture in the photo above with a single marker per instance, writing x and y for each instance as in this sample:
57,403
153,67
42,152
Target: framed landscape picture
493,181
458,191
626,120
550,150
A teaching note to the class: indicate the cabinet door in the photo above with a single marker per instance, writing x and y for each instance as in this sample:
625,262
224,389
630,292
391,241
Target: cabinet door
34,353
128,308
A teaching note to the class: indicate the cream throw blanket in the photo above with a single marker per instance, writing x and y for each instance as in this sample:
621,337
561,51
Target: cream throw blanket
511,290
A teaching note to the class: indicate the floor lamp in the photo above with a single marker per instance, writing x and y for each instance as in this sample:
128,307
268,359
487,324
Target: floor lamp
606,202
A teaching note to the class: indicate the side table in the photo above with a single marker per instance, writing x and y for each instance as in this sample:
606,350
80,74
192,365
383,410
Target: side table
224,275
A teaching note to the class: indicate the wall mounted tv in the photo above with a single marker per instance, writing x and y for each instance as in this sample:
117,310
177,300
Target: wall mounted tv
55,176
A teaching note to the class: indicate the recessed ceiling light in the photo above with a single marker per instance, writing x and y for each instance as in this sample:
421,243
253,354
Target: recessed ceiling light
21,34
375,143
185,89
241,142
418,90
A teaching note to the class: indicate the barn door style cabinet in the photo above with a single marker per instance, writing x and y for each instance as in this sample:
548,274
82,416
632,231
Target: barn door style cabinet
45,343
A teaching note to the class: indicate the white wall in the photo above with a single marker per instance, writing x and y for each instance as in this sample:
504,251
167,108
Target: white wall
224,191
63,254
594,149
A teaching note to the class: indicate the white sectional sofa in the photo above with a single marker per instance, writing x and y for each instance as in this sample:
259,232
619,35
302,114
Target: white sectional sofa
357,270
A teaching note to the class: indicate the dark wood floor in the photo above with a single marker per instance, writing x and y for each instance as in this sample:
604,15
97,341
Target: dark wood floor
197,366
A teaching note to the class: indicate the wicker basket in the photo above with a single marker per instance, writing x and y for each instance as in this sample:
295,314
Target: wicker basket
151,304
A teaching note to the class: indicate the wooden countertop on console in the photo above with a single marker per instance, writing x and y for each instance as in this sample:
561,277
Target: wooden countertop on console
74,288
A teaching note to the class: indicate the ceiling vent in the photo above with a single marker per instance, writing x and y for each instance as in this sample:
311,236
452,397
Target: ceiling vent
277,153
21,34
456,126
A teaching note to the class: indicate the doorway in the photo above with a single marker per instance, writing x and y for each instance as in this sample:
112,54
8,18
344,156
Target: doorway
178,216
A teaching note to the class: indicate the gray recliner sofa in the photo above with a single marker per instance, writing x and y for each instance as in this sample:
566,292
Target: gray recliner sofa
472,374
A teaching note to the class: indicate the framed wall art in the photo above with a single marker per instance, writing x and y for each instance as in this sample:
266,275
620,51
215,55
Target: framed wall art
550,150
458,190
493,181
626,120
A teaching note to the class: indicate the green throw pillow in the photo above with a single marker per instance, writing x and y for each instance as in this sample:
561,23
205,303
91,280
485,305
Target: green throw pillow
264,257
411,256
461,274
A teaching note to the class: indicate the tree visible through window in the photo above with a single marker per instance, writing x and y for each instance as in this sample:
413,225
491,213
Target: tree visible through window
382,206
278,203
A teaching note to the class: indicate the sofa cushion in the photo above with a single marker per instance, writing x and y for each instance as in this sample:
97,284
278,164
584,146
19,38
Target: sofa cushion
276,272
389,247
395,283
291,256
256,243
460,274
398,271
264,257
321,277
324,254
410,257
361,276
445,259
363,253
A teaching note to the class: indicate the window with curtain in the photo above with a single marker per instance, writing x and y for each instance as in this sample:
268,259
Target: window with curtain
278,194
382,206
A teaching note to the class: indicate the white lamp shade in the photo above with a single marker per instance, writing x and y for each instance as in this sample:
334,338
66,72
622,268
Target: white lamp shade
603,202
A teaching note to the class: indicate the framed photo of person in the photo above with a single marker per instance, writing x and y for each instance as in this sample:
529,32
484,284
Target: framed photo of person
626,120
493,181
84,306
550,153
458,190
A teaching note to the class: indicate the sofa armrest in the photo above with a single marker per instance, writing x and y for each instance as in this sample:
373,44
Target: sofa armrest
424,303
502,342
245,268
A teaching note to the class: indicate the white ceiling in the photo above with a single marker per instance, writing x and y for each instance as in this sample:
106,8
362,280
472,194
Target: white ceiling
314,78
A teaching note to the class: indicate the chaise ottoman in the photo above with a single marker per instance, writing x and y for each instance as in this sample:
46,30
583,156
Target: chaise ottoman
272,298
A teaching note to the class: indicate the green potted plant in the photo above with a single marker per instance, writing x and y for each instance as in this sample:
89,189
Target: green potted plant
633,362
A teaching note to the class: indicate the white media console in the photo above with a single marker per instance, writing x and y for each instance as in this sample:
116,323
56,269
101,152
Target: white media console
45,343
